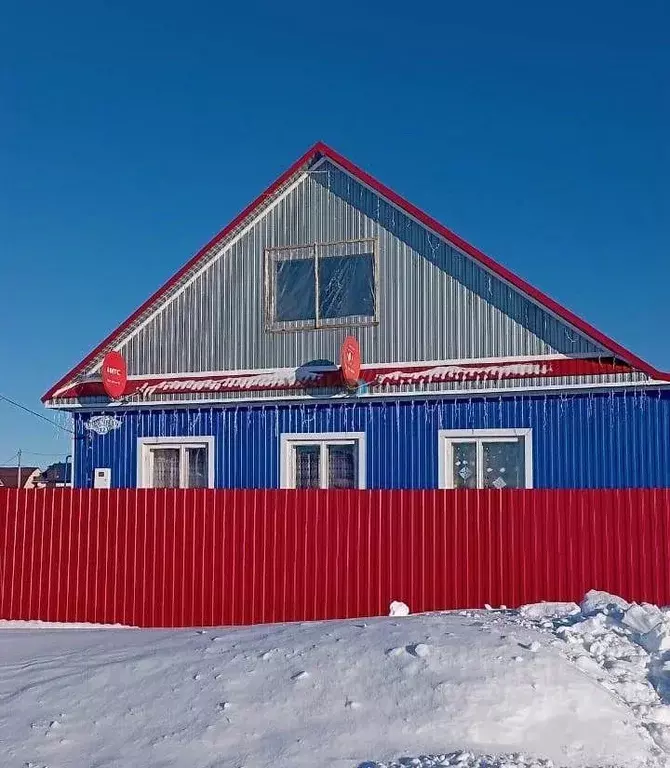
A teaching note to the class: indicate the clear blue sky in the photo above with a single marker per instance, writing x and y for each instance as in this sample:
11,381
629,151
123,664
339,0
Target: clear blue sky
132,131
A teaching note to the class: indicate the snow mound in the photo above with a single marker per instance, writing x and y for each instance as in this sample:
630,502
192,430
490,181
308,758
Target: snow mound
337,694
539,611
466,760
398,608
602,602
624,647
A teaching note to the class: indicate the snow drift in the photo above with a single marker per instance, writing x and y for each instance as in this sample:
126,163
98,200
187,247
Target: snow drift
549,684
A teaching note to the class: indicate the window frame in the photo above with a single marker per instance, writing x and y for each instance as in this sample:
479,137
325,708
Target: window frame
315,251
145,463
289,440
448,437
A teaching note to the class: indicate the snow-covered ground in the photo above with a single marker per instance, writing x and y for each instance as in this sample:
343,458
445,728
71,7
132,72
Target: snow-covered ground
547,683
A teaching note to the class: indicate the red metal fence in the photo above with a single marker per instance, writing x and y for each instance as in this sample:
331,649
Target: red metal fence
196,558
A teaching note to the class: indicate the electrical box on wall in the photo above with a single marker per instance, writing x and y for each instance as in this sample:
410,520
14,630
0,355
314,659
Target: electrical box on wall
102,477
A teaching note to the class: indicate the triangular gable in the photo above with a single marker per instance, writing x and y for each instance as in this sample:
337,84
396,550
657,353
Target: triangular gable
256,209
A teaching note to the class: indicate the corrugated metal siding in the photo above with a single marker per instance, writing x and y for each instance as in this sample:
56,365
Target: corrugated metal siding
435,303
603,440
212,558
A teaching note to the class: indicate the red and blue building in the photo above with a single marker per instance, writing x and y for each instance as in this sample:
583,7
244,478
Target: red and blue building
470,377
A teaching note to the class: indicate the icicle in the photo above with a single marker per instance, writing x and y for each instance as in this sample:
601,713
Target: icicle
311,416
58,423
397,417
500,411
434,247
642,400
276,421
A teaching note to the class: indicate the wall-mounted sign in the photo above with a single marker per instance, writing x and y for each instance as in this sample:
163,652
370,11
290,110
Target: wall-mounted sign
101,425
114,374
350,361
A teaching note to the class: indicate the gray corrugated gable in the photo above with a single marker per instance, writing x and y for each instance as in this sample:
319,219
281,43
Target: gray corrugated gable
435,302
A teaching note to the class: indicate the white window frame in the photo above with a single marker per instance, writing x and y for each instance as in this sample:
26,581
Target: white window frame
447,438
323,439
145,458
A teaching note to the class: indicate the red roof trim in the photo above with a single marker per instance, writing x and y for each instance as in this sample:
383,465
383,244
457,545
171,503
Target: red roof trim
322,149
498,269
283,379
189,264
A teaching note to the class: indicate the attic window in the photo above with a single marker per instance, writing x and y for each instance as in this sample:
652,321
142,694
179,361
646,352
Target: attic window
321,285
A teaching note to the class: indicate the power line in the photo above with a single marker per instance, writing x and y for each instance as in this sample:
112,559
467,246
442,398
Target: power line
35,453
34,413
11,458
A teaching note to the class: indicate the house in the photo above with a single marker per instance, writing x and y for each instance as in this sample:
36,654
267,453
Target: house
25,477
242,370
57,475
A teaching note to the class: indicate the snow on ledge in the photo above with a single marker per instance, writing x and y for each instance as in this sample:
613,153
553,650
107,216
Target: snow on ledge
37,624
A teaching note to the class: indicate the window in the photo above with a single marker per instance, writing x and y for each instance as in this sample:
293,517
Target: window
481,458
324,460
321,285
175,462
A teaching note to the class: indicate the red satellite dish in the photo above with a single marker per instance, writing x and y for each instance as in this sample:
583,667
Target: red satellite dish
350,361
114,374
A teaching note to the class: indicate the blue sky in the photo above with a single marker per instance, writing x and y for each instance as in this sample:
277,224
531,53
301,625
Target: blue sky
132,131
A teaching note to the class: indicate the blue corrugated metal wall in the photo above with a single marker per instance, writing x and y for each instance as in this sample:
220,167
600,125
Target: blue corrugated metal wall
589,440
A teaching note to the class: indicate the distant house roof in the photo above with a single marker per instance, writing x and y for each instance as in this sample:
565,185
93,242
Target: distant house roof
9,476
59,473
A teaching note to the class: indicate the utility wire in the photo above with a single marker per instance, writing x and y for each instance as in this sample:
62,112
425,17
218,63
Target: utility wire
35,453
34,413
11,458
